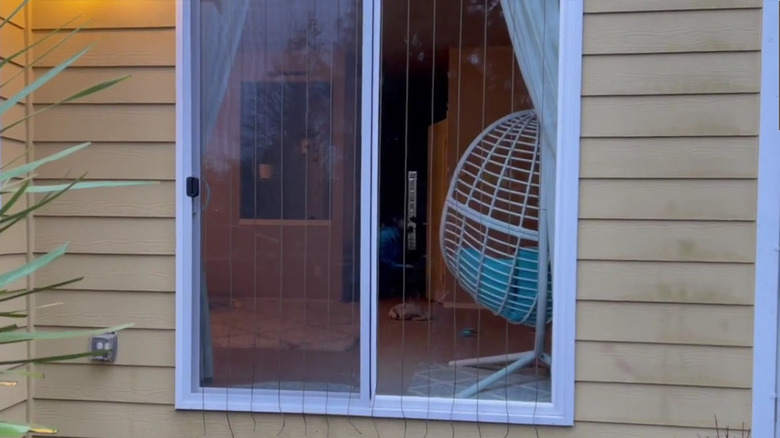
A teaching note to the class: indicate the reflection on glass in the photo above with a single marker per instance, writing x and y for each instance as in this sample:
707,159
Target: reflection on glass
277,149
279,167
449,70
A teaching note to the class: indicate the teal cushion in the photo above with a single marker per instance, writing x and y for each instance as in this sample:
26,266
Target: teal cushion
507,293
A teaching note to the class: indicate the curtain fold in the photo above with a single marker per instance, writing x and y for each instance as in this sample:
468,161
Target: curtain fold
221,26
533,28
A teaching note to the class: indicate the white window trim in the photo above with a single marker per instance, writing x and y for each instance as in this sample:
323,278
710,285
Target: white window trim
560,411
765,337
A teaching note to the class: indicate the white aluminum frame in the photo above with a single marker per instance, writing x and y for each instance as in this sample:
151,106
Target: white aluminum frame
188,393
766,381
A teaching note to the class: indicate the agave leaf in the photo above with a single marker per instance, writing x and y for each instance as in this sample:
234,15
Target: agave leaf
23,313
16,217
29,268
14,199
17,430
10,295
13,13
8,328
60,358
88,185
26,91
31,46
29,167
12,337
78,95
17,372
34,63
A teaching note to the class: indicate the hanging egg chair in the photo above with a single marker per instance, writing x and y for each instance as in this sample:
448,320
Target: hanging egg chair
493,235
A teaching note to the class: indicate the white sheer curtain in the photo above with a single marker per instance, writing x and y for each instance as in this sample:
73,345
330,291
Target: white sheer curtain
533,27
221,26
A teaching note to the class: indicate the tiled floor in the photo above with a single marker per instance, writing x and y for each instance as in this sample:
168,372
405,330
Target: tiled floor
316,346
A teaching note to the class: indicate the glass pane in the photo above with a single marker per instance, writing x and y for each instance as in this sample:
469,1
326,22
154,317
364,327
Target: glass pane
280,155
460,234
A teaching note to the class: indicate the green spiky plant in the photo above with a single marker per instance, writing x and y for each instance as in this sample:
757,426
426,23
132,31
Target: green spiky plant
17,185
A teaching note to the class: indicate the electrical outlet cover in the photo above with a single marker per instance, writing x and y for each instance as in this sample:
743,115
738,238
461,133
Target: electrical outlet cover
106,341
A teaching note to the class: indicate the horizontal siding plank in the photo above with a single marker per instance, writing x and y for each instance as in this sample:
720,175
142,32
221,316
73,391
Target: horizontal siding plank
106,235
693,157
672,32
673,241
671,116
123,161
13,305
14,75
10,262
13,42
728,326
14,351
115,48
668,199
14,239
112,272
50,14
126,420
597,6
104,382
10,396
695,283
13,115
105,309
16,413
118,123
662,405
138,347
140,201
687,73
12,152
6,8
145,84
689,365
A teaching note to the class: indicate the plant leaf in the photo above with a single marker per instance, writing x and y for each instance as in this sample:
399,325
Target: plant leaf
46,77
13,13
49,35
14,199
78,95
23,373
8,328
60,358
88,185
10,295
17,430
29,167
12,337
29,268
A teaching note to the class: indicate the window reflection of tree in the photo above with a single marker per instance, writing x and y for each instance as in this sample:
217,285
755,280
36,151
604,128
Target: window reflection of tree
286,136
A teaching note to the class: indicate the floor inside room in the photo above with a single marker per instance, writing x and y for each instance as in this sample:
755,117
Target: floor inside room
316,346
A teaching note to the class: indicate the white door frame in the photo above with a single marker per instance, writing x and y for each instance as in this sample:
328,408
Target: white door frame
766,322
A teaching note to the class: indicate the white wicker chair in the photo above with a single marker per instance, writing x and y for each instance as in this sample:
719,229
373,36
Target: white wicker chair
493,234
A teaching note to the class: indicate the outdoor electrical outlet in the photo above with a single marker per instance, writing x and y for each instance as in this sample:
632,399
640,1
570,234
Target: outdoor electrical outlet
106,341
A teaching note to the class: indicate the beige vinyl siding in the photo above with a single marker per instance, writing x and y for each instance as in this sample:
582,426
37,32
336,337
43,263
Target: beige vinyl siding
14,241
667,210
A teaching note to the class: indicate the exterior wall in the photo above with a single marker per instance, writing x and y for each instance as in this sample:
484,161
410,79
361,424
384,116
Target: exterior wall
667,235
13,242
